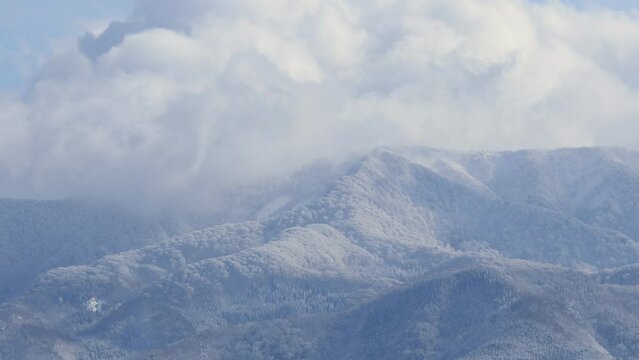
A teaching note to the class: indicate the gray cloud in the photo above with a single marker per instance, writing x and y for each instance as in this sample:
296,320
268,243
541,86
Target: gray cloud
185,99
95,46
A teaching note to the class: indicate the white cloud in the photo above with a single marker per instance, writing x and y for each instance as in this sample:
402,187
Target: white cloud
187,98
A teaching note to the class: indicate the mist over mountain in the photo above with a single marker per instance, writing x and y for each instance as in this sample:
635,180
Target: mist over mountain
179,102
402,253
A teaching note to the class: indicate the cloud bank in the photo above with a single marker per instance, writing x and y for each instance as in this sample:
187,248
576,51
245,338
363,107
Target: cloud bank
185,98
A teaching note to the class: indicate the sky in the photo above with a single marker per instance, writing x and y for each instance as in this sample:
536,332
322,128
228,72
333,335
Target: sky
155,102
32,30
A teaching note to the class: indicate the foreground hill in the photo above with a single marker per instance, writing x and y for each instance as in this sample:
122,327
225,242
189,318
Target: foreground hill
467,309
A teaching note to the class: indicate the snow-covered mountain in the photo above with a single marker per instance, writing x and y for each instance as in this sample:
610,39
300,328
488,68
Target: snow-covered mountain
407,253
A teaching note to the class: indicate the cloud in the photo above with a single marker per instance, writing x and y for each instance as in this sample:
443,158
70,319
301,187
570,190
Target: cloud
187,99
94,46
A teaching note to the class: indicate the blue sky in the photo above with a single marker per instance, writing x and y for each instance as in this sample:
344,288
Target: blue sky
29,30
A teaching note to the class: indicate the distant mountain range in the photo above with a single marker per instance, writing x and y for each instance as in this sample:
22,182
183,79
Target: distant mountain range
403,253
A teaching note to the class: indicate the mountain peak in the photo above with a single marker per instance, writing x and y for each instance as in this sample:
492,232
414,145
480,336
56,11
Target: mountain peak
406,248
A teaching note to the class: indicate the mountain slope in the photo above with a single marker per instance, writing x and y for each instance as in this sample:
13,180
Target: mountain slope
403,253
464,310
39,235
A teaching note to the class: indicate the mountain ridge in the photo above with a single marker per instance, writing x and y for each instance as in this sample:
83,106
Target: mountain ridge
346,243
